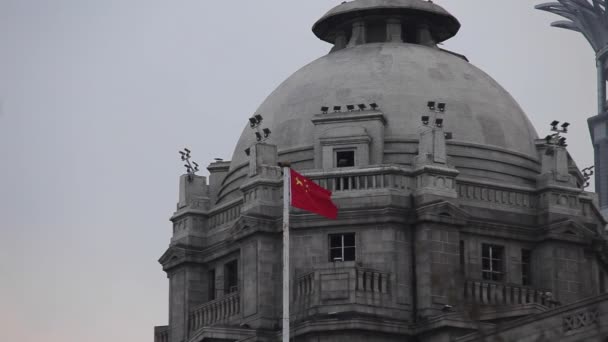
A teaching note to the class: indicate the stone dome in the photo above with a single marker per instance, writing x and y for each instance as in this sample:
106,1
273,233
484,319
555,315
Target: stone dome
401,78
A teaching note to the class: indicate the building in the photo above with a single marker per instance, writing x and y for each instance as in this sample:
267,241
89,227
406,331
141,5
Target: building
456,222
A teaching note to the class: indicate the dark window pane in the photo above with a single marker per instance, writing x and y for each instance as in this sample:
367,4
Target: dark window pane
349,254
335,241
496,265
335,253
487,275
485,251
485,263
349,240
345,158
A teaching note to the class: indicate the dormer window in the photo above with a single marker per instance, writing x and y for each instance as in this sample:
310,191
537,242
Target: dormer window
345,158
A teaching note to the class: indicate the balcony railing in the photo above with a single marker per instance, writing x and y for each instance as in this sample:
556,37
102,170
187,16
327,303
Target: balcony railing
362,179
342,285
221,309
161,334
487,293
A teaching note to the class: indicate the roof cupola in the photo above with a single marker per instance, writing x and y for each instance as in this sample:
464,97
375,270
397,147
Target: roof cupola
392,21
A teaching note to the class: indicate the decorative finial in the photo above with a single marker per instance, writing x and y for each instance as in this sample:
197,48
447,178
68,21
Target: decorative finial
191,167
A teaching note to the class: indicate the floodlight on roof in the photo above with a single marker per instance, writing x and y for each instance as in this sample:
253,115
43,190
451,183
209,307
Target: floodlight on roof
565,127
258,136
431,105
248,151
562,142
449,135
258,117
252,122
324,110
266,132
362,106
187,150
350,107
441,107
554,124
337,108
374,105
439,122
425,120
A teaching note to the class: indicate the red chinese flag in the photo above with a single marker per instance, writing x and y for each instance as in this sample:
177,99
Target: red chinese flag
307,195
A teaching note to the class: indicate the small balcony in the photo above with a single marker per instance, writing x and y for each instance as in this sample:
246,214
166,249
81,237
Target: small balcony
223,309
344,288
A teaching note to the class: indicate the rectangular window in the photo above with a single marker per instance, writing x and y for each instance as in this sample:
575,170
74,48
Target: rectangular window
342,247
526,267
231,277
211,284
462,255
492,262
345,158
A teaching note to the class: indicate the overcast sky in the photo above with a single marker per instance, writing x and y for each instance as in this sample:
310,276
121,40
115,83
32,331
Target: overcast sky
97,96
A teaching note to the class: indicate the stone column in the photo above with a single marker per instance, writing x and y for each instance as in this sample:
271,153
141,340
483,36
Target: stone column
424,35
358,36
393,30
340,41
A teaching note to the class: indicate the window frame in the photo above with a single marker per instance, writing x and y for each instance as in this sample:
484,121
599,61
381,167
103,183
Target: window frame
342,247
211,286
229,285
342,150
496,254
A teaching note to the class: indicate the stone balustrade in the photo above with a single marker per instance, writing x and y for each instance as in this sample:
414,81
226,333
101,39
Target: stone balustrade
342,285
497,195
221,309
489,293
161,334
363,179
372,281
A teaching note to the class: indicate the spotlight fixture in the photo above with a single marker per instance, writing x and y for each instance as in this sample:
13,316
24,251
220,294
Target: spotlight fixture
554,124
548,138
258,136
337,109
324,110
439,122
248,151
374,105
431,105
448,136
425,120
191,167
562,142
565,127
361,106
266,132
441,107
258,117
252,122
350,108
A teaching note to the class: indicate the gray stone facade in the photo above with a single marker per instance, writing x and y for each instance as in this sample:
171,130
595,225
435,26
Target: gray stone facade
465,229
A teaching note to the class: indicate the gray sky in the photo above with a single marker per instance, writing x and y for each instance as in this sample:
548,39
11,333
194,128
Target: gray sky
96,97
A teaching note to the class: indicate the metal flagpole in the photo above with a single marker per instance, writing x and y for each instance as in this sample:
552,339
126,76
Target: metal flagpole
286,203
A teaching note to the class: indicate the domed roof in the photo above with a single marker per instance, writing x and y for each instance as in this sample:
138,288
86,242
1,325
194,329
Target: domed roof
443,24
401,78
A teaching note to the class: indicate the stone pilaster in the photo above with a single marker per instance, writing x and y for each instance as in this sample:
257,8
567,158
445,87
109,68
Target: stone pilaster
435,178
